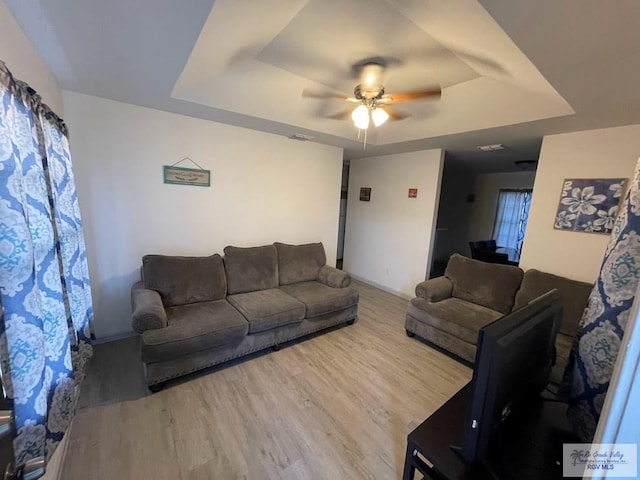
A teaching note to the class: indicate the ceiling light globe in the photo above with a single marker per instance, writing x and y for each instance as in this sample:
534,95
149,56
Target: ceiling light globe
379,116
360,117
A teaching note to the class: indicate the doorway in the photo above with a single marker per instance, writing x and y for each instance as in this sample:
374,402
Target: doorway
343,213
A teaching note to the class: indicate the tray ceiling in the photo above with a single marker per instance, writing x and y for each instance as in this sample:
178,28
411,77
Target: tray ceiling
261,70
511,72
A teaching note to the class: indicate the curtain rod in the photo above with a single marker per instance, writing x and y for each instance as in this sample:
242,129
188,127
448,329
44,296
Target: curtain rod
30,97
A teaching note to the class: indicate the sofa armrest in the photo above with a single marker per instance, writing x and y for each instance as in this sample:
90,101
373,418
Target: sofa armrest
147,310
434,289
333,277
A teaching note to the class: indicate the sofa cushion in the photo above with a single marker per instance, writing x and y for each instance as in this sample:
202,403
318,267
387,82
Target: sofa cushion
574,295
184,280
488,284
299,263
267,309
192,328
320,299
457,317
251,269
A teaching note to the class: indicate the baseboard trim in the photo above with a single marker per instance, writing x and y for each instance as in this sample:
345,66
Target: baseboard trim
381,287
113,338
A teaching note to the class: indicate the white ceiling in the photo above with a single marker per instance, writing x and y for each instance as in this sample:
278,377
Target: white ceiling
511,72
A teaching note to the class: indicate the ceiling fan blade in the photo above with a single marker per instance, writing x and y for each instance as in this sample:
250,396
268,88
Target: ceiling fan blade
434,93
342,115
317,94
393,113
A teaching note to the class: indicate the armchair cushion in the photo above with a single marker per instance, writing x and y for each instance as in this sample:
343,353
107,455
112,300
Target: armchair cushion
148,311
457,317
487,284
563,350
184,280
333,277
434,289
574,295
250,269
299,263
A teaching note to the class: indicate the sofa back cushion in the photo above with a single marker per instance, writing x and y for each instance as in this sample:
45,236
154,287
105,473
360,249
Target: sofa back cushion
299,263
184,280
488,284
250,269
574,294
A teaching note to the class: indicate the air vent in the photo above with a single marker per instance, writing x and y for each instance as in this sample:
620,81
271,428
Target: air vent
300,137
491,148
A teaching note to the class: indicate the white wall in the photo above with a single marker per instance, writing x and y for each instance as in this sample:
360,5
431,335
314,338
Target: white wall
388,240
265,188
604,153
25,63
487,190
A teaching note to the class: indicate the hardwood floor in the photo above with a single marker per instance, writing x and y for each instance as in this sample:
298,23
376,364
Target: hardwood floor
337,406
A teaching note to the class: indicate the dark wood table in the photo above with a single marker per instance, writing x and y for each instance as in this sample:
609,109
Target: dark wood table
530,445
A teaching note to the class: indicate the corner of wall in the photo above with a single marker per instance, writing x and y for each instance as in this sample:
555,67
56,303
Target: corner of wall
389,239
434,218
601,153
25,63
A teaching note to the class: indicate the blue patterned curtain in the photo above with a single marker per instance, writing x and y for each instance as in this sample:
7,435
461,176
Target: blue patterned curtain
44,286
511,221
595,348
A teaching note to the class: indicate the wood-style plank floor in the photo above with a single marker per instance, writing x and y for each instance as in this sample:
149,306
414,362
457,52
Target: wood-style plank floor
336,406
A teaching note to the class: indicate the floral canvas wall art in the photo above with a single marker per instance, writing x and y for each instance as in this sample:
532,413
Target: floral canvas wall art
589,205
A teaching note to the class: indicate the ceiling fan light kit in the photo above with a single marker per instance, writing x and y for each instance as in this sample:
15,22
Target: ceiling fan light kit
372,104
360,117
363,113
379,116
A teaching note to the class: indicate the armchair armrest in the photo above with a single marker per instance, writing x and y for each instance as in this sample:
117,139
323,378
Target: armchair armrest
434,289
333,277
147,310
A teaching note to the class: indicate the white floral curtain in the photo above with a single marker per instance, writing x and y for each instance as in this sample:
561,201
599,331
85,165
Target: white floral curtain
45,298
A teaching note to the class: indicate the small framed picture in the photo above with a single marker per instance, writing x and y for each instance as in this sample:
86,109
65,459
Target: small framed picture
365,194
413,193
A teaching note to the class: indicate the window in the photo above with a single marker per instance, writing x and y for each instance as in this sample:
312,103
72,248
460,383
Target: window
511,221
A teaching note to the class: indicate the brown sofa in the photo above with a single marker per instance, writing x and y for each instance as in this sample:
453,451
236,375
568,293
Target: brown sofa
195,312
449,311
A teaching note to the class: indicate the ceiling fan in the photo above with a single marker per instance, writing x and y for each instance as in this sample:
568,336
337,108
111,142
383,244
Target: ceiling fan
370,102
